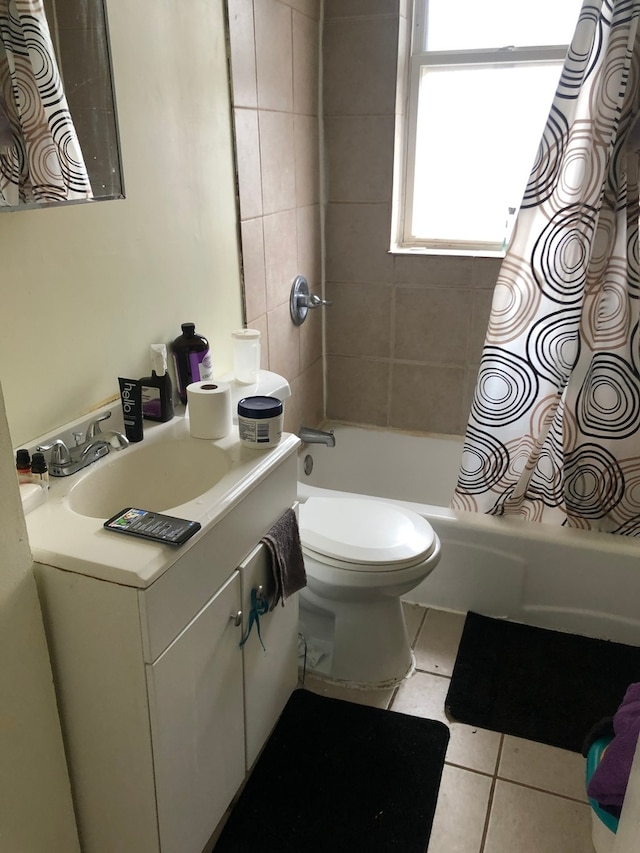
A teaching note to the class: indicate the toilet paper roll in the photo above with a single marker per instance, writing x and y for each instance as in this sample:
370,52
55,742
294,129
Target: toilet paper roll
209,409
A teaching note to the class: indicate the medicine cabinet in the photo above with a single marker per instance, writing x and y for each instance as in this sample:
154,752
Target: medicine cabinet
80,36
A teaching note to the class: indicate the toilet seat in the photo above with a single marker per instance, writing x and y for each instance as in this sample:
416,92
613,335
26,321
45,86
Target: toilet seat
364,535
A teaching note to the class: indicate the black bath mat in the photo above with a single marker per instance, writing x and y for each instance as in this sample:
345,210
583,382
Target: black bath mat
542,685
338,777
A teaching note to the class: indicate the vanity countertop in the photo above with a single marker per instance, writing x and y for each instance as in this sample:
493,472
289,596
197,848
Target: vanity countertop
67,540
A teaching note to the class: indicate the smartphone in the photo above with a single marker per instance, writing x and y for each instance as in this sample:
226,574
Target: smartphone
152,525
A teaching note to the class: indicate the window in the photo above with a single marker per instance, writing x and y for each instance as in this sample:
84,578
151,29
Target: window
482,76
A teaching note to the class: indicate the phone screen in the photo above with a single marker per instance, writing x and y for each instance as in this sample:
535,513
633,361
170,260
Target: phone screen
152,525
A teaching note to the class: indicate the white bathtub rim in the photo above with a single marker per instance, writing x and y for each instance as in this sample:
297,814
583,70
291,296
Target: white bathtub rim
328,425
566,579
500,525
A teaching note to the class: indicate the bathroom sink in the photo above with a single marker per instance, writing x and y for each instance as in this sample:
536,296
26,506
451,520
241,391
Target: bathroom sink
157,477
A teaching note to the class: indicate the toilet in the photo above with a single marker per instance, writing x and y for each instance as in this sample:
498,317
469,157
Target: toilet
361,555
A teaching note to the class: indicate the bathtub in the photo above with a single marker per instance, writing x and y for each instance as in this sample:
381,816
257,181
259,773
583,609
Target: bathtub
577,581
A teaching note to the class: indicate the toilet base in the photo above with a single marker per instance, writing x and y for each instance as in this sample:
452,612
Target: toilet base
322,675
362,644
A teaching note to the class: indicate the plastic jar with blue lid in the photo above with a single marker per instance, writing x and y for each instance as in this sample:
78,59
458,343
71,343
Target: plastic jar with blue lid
260,421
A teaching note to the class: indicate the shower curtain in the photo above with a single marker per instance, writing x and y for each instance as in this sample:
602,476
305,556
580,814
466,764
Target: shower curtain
553,433
40,156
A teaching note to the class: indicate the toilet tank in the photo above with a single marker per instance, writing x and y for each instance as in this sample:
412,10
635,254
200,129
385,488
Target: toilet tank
268,385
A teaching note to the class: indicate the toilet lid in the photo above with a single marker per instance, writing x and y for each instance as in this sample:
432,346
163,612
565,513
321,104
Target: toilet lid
365,532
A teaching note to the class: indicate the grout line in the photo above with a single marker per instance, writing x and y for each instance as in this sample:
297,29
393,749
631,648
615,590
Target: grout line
541,790
499,756
474,770
416,636
437,674
485,828
357,19
392,352
322,203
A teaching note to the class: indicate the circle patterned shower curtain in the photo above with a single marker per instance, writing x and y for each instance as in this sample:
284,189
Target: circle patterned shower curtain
553,433
40,156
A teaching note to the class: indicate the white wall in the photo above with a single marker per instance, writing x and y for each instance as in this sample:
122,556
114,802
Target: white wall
36,813
85,290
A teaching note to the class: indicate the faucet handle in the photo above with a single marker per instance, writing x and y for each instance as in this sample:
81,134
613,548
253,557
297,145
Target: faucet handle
301,300
93,429
59,452
314,301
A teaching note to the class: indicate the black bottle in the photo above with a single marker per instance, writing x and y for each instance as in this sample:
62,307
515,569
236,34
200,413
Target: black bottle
192,359
23,466
39,470
157,391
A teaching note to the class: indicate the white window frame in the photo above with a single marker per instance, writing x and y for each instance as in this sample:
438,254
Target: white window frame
402,239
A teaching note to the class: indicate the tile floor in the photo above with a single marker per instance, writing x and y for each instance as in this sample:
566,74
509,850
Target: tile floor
499,794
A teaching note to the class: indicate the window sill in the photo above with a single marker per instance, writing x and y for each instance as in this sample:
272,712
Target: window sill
451,252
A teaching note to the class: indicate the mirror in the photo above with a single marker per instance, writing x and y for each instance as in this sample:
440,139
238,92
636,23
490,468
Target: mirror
79,35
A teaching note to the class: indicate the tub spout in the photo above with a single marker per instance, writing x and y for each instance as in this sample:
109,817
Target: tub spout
316,436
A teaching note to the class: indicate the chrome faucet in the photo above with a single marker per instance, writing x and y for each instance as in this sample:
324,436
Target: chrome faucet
316,436
65,460
116,439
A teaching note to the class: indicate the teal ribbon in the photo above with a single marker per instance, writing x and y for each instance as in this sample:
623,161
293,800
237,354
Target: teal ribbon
259,606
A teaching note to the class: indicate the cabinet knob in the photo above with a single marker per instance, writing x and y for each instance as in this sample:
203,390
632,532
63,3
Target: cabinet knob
236,618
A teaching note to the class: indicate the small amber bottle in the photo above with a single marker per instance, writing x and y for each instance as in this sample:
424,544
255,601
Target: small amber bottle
23,466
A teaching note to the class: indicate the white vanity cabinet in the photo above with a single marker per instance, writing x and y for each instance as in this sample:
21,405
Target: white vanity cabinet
162,711
270,673
195,693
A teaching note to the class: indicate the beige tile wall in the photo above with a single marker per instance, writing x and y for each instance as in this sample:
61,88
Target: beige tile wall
405,333
274,46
